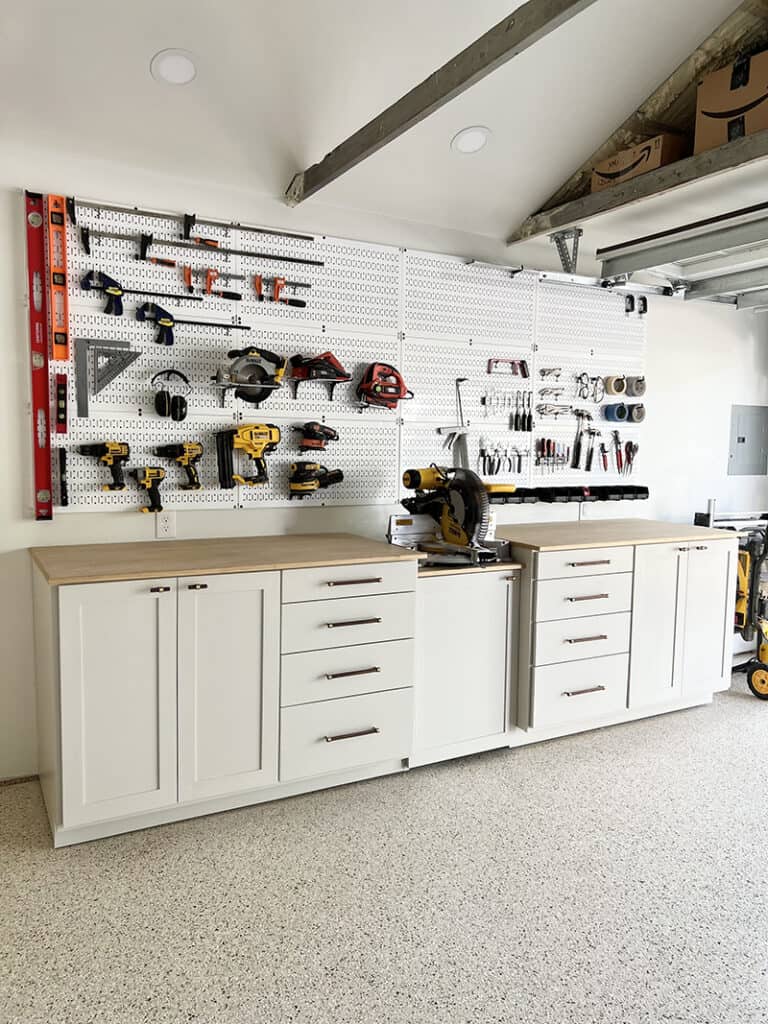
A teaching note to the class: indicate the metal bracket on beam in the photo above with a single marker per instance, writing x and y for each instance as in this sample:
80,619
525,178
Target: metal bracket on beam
512,271
568,257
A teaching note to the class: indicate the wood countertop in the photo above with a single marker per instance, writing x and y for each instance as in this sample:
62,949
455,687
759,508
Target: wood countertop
598,533
428,571
97,563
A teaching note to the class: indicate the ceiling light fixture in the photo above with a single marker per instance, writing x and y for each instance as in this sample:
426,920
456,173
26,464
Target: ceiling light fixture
470,140
173,67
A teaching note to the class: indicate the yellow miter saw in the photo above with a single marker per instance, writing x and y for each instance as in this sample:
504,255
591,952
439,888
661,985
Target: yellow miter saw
450,517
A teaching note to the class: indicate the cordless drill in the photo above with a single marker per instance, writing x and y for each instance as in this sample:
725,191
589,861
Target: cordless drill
256,440
113,454
315,436
150,478
186,455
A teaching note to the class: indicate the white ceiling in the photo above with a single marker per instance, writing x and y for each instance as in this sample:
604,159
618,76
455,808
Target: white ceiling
280,85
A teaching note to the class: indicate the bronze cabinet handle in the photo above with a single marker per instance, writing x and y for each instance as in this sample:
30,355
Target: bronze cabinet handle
354,672
352,735
580,565
590,597
197,586
587,639
581,693
683,549
353,622
353,583
159,590
702,547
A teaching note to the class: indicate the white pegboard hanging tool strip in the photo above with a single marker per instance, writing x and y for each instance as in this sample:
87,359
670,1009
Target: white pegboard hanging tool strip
38,338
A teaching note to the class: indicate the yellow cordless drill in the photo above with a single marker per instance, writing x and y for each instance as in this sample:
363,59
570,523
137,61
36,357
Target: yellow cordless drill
150,478
256,440
113,454
186,455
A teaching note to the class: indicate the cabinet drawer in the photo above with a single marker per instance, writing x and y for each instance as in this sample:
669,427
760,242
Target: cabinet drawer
593,636
563,694
555,565
334,735
335,581
318,625
346,671
582,597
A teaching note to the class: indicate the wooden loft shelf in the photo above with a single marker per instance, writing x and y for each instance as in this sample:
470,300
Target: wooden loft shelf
652,184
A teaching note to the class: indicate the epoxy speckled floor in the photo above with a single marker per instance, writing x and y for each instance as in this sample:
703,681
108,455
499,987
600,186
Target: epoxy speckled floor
618,877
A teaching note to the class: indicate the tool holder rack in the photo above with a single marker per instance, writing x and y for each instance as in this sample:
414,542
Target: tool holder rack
432,316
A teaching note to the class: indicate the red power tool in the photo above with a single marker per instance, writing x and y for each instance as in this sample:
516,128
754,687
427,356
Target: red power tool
382,385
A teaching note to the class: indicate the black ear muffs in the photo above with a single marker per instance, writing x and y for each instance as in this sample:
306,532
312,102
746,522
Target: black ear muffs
166,404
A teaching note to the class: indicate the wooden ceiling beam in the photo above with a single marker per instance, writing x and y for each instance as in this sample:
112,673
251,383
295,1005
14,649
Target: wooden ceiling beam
516,33
671,107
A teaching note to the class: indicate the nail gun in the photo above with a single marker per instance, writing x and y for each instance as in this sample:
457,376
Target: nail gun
256,440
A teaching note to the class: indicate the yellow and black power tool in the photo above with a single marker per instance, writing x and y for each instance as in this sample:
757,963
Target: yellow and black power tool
307,477
113,454
150,478
751,619
256,440
186,454
456,499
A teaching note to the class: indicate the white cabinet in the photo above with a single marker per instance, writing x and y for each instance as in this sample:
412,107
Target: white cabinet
709,615
117,663
682,620
229,667
465,626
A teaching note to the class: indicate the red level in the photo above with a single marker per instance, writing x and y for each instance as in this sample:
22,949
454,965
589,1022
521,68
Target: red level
38,337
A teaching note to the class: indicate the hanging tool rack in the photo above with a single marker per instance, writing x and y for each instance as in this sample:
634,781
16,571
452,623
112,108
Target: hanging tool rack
436,318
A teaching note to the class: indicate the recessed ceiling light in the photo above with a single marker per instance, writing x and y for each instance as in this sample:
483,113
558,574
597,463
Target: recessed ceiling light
174,67
470,140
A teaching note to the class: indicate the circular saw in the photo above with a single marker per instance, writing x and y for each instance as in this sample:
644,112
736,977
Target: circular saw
254,374
456,499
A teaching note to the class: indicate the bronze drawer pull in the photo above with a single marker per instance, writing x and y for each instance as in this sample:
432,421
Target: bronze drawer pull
355,672
590,597
352,735
159,590
580,565
197,586
353,622
353,583
581,693
587,639
702,547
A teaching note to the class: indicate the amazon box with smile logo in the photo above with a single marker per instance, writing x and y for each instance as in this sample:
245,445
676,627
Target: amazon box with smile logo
732,102
646,156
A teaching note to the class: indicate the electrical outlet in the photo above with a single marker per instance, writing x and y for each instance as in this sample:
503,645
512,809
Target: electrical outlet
165,525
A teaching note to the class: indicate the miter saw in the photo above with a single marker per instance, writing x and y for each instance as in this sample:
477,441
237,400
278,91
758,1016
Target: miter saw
456,500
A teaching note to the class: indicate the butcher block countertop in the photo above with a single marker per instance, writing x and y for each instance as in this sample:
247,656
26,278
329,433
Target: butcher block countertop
605,533
97,563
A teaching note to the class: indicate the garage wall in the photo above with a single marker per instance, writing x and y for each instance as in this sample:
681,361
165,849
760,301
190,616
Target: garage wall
700,360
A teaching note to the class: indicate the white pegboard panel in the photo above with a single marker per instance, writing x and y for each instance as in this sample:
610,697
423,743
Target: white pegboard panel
368,458
437,318
431,367
447,297
85,475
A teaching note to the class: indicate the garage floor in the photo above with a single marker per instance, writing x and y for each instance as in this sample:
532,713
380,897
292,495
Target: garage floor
617,877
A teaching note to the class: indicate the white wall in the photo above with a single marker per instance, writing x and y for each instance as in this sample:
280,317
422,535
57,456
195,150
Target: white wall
718,355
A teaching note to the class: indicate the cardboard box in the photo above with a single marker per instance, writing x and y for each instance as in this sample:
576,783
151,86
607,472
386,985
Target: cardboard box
646,156
732,103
